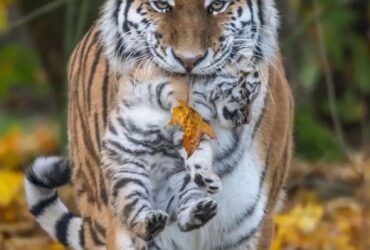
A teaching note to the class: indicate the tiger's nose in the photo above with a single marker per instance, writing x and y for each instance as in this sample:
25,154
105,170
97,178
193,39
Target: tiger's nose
189,62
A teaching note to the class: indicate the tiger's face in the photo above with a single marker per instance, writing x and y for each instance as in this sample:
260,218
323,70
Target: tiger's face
189,36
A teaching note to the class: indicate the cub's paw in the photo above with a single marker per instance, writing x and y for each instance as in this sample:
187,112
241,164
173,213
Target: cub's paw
150,225
196,214
210,182
201,173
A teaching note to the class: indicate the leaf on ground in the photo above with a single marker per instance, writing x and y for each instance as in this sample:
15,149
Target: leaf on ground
11,185
193,125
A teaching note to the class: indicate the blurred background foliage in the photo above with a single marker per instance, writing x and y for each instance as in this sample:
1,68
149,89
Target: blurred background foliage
345,28
326,50
38,36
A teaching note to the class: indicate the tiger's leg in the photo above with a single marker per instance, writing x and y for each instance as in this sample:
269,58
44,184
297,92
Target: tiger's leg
120,238
199,165
130,192
267,234
186,203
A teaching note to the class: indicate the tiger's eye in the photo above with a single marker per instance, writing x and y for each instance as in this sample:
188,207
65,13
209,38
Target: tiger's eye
162,5
217,6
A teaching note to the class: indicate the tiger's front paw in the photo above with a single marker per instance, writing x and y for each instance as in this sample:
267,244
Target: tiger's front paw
202,175
196,214
150,224
210,182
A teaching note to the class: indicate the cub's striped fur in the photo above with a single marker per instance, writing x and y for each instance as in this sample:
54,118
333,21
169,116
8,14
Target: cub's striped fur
143,157
202,38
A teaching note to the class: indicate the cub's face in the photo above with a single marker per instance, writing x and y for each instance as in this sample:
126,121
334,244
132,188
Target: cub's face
187,36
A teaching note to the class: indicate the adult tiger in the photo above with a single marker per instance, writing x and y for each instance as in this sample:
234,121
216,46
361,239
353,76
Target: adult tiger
199,37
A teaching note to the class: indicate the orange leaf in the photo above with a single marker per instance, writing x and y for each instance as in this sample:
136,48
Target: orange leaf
193,125
11,183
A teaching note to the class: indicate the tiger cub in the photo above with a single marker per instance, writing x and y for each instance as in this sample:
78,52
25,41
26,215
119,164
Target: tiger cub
151,179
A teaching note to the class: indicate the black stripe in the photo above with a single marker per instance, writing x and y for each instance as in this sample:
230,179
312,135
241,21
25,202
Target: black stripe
129,126
138,164
112,129
86,137
227,168
117,10
38,209
187,191
92,74
91,171
170,203
82,50
251,209
83,61
100,229
125,15
205,105
240,11
156,145
260,118
229,152
159,90
74,56
103,189
81,235
61,228
253,23
119,146
223,57
94,236
132,221
241,240
129,172
120,47
113,154
126,181
128,208
105,93
153,246
136,194
258,53
185,182
97,130
200,94
59,175
260,11
80,190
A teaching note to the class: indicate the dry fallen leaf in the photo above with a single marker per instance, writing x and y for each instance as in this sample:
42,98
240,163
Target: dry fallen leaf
11,185
193,125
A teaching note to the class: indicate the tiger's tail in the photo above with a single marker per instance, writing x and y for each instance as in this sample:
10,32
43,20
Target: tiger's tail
42,180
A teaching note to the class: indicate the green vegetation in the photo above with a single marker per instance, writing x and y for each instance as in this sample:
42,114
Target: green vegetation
35,45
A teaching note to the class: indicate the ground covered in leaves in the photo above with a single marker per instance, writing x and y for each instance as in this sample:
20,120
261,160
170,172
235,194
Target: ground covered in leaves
327,206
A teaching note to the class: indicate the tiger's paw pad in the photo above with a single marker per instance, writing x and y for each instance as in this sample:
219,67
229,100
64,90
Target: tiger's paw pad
196,215
201,174
209,182
151,225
